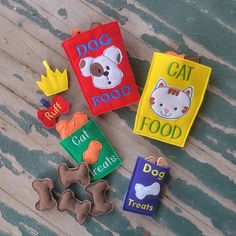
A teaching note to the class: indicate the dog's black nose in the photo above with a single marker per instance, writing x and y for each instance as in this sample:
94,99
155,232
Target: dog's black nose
106,73
109,82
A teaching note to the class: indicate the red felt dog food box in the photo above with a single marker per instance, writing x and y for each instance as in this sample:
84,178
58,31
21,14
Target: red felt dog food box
100,62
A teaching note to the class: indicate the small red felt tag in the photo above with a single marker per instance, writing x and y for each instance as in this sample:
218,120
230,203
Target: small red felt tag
48,117
100,61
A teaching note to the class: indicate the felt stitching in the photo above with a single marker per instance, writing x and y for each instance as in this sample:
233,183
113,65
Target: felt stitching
44,189
69,203
91,155
170,102
103,69
69,46
58,107
142,191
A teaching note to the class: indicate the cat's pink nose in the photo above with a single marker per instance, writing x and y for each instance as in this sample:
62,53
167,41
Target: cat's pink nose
166,110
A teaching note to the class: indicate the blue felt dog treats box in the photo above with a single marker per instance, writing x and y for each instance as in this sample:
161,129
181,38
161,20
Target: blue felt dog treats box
144,189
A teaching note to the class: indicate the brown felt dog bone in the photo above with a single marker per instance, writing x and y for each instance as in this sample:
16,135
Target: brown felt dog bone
43,187
91,154
100,204
80,174
65,128
68,202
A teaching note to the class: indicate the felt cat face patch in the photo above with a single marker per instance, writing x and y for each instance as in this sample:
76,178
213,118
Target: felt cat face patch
100,61
169,102
171,98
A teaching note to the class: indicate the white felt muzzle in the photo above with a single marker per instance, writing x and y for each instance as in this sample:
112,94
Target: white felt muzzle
142,191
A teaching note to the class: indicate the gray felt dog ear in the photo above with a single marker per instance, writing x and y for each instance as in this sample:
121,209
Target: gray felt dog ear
85,65
114,54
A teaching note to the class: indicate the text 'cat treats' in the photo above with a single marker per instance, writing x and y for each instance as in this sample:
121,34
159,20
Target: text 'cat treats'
100,61
171,98
85,142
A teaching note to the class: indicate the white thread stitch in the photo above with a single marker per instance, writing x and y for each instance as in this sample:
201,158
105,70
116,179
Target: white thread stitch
142,191
169,102
103,69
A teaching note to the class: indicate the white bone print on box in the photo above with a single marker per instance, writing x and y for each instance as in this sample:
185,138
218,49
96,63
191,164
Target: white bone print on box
142,191
169,102
103,69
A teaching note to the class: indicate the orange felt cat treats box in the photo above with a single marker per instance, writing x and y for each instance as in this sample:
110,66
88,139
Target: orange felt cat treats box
100,62
172,96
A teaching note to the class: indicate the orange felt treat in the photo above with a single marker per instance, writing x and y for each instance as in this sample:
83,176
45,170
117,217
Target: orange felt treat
175,54
65,128
91,154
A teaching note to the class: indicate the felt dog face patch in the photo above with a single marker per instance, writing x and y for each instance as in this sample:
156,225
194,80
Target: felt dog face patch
171,98
100,61
103,69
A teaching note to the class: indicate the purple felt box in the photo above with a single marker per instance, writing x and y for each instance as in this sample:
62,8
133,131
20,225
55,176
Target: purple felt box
144,188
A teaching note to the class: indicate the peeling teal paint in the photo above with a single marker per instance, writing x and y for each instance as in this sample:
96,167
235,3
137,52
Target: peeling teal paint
4,233
212,35
140,75
108,11
22,222
179,225
156,43
33,15
19,77
62,12
219,10
27,122
8,164
221,218
224,141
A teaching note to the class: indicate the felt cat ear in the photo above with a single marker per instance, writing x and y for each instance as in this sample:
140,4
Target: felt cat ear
161,83
189,91
114,54
85,65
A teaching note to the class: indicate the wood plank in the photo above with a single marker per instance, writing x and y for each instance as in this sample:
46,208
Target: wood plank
17,219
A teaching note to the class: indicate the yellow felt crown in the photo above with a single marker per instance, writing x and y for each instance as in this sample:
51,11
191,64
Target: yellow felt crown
54,82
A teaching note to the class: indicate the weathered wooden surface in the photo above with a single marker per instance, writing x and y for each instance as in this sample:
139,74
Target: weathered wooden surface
201,196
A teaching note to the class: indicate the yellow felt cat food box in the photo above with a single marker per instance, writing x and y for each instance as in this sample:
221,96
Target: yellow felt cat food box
172,96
